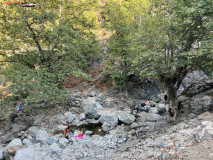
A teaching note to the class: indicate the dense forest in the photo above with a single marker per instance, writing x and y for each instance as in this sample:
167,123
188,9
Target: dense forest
40,47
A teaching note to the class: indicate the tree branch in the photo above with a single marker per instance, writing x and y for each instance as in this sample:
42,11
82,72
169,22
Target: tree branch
35,38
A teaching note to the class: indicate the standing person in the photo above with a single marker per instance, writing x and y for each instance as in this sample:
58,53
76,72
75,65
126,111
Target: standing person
89,90
66,129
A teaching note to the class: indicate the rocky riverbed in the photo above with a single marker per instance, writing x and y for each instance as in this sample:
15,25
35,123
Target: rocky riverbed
114,128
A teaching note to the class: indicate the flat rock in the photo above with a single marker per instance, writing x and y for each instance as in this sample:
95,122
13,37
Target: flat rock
125,117
7,138
109,118
152,117
28,154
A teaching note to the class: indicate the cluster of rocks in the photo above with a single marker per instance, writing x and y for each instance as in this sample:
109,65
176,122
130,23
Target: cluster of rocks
130,133
99,100
47,142
196,93
168,142
173,142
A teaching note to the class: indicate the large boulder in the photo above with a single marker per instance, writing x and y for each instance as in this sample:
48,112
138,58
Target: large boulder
33,131
14,146
69,117
58,129
7,138
109,118
191,78
161,108
42,137
63,143
90,111
54,149
28,154
143,91
152,117
125,117
16,128
200,104
60,119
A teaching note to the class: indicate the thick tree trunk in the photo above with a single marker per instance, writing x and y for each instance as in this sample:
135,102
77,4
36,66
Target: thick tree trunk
171,103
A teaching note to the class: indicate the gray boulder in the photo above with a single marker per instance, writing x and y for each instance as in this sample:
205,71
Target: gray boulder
152,117
106,127
200,104
7,138
60,119
16,128
109,118
63,143
33,131
30,121
67,114
153,110
134,125
125,117
71,118
27,142
82,116
42,137
54,149
90,112
58,129
38,120
143,91
161,108
191,78
14,146
111,104
98,105
28,154
101,98
88,133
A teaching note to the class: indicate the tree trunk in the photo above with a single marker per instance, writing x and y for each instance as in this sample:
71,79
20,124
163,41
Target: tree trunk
171,103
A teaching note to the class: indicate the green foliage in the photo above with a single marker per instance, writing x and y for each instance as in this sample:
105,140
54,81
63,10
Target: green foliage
40,47
121,17
162,39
